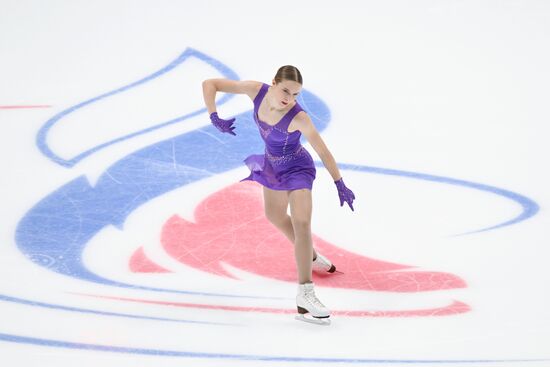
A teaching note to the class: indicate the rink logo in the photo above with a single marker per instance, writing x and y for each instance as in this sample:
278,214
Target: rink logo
230,232
55,232
230,228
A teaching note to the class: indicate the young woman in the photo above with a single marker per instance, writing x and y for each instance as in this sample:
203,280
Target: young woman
286,170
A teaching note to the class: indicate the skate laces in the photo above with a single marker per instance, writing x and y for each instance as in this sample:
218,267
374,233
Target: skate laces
309,295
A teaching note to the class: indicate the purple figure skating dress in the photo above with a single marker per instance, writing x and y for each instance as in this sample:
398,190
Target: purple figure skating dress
286,164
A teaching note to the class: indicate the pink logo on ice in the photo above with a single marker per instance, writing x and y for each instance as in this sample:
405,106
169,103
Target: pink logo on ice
230,227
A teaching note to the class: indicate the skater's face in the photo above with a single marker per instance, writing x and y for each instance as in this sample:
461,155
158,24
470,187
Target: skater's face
285,92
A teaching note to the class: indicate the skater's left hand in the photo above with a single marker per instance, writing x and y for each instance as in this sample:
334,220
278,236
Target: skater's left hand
345,194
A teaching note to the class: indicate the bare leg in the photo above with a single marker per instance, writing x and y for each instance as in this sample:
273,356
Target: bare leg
300,214
297,228
275,206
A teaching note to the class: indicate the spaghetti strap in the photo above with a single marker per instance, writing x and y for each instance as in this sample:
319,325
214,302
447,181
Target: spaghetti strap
260,96
287,119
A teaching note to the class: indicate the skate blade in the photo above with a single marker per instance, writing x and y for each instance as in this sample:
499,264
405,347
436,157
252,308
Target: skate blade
332,270
313,320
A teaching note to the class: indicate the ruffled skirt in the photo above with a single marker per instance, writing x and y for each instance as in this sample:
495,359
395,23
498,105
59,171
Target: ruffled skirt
289,172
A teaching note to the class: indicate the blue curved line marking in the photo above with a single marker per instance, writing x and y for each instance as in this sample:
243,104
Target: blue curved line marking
240,357
529,207
55,231
41,138
102,313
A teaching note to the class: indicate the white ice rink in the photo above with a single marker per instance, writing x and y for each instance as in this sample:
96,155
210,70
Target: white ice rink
126,238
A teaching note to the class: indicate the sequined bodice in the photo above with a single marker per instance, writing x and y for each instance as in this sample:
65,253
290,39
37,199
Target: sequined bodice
278,141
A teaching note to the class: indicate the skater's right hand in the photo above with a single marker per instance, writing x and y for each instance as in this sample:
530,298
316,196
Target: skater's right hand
223,125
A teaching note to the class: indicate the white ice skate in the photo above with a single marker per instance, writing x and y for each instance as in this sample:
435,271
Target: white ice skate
310,309
323,265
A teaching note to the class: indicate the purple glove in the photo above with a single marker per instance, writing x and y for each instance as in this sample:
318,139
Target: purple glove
345,194
223,125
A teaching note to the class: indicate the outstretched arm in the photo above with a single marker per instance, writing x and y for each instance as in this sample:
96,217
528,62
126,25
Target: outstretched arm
303,123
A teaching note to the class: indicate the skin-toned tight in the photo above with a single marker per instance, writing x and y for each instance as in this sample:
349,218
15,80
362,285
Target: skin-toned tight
296,226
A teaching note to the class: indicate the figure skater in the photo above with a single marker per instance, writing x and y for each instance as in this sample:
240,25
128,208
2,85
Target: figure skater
286,170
